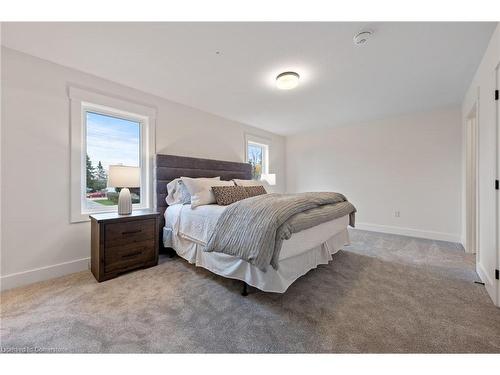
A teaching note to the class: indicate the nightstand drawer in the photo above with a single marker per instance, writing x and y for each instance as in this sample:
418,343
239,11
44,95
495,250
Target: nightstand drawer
128,232
128,256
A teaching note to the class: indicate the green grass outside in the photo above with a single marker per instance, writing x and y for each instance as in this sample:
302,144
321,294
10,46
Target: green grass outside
105,202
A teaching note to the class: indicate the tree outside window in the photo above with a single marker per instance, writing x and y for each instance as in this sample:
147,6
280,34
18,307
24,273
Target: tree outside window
257,157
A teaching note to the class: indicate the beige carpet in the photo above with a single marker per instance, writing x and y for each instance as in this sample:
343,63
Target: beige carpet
383,293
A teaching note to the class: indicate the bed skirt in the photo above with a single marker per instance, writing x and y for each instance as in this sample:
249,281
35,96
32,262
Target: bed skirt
278,281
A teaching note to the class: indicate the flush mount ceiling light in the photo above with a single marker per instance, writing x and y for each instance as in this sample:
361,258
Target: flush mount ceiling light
287,80
362,37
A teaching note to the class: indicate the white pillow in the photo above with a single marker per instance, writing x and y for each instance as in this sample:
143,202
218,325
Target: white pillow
177,193
248,182
201,189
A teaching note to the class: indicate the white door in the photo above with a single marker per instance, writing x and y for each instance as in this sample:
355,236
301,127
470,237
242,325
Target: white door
488,197
497,192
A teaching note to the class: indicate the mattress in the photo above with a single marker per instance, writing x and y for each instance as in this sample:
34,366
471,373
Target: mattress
197,224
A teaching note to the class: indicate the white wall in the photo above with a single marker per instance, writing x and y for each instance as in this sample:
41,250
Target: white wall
481,93
410,164
38,240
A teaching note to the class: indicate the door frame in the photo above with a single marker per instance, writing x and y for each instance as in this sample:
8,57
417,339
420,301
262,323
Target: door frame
472,181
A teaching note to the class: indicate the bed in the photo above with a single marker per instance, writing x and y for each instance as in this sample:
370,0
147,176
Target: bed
187,230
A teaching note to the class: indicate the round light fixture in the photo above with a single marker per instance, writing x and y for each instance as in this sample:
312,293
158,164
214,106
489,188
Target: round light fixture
287,80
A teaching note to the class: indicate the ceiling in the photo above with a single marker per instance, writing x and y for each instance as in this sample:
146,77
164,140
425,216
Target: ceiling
229,68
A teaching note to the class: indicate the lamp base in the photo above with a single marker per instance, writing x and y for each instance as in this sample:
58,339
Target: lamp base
124,202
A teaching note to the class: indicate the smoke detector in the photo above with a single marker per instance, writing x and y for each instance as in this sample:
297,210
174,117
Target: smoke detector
362,37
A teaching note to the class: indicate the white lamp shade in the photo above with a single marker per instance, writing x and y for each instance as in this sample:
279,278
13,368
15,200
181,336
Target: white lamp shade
124,176
270,178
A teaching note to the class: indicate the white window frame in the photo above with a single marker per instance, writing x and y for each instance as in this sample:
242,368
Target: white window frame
83,101
265,143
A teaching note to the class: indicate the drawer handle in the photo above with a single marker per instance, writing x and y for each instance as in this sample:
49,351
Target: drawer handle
131,255
132,232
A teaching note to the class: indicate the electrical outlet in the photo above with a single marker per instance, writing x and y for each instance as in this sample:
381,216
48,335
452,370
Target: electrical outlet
397,214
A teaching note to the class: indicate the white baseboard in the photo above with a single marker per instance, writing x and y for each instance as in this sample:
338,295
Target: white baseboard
44,273
440,236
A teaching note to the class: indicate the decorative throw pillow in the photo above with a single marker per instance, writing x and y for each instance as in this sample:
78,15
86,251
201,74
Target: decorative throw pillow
253,191
225,195
247,182
183,194
177,193
201,189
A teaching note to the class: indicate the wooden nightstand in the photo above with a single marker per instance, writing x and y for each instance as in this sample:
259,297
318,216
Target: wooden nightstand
120,243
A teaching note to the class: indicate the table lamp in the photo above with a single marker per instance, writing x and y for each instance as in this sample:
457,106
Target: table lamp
122,176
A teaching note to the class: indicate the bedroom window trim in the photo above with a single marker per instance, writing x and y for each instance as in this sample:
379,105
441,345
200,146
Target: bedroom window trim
83,101
263,142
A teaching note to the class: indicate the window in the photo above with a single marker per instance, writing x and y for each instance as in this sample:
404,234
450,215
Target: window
104,132
257,153
110,141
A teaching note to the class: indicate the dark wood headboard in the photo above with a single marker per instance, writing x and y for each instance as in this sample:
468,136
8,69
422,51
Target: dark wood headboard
170,167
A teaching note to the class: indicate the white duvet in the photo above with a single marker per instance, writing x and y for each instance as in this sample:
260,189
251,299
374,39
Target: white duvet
197,224
194,224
